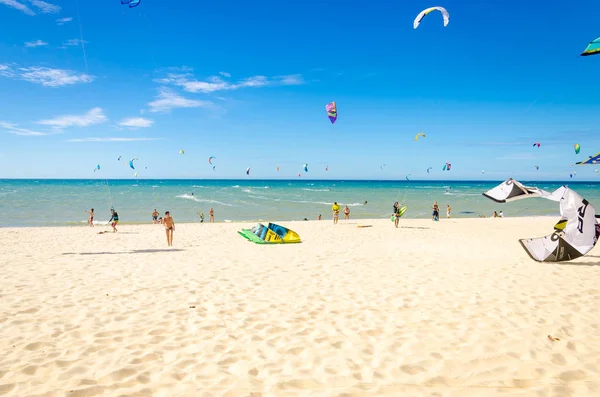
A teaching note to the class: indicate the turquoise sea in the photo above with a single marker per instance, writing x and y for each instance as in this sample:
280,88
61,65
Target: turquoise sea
48,202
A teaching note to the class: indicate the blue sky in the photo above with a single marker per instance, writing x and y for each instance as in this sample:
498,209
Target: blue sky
247,82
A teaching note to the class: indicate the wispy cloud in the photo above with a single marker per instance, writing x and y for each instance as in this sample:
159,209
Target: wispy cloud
216,83
136,122
5,71
74,43
94,139
92,117
40,6
16,130
168,100
62,21
36,43
53,77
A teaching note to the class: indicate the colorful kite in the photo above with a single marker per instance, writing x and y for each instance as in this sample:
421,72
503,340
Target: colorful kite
537,144
305,166
593,48
447,167
418,135
537,167
132,3
182,151
595,159
210,159
577,148
331,111
97,168
422,14
131,163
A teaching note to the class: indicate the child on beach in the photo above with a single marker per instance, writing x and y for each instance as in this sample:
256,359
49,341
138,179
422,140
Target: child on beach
346,212
319,217
201,214
336,212
155,217
169,227
211,213
91,218
114,219
448,210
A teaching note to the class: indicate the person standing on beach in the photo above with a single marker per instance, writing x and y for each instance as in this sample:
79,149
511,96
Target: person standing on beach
169,227
346,212
201,214
155,217
448,210
396,214
91,218
114,219
335,208
211,213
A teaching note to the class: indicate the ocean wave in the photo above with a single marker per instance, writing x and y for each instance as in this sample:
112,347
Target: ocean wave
155,186
197,186
199,200
316,190
246,190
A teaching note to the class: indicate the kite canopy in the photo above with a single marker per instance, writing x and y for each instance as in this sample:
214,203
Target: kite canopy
595,159
97,168
131,163
132,3
182,151
575,234
270,234
429,169
418,135
577,148
331,111
537,144
248,171
593,48
422,14
305,167
447,167
210,159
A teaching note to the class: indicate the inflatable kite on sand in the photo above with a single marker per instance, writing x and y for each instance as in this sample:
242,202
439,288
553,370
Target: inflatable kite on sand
575,234
270,234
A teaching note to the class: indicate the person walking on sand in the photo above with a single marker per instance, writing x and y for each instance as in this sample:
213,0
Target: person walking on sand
335,208
435,216
211,213
169,227
91,218
155,217
396,214
447,210
346,212
201,214
114,219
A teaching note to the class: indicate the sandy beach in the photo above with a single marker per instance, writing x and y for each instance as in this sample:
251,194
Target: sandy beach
452,308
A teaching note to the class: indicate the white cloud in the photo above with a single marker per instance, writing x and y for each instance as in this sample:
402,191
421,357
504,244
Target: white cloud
44,7
37,43
225,74
215,83
167,100
94,116
41,6
53,77
18,6
62,21
14,129
94,139
136,122
74,42
5,71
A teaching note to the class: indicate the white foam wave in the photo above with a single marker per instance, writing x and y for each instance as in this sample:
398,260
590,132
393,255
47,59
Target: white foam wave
155,186
199,200
316,190
246,190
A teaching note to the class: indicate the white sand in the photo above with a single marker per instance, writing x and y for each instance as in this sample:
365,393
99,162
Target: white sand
454,308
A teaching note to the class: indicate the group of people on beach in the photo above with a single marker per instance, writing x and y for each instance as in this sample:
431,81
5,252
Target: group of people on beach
335,208
114,219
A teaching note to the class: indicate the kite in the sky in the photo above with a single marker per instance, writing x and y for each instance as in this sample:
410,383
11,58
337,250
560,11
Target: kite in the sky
326,168
132,3
182,151
131,163
331,111
595,159
429,169
305,166
577,148
407,177
248,171
97,168
537,144
537,167
447,167
214,166
210,159
422,14
575,234
418,135
119,158
593,48
277,168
